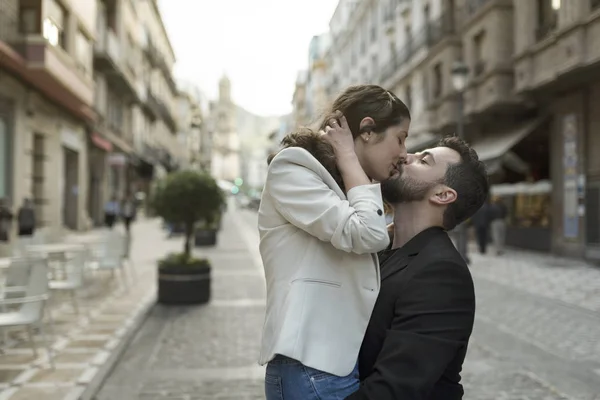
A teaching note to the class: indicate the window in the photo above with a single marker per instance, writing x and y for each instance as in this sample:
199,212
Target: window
83,52
547,17
373,26
29,17
55,25
132,55
408,96
478,45
38,168
437,80
374,66
4,163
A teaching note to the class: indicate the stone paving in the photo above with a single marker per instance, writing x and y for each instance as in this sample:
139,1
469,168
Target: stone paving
201,352
571,281
534,337
86,344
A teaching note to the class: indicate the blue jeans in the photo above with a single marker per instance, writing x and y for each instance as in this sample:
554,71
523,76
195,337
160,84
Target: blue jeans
288,379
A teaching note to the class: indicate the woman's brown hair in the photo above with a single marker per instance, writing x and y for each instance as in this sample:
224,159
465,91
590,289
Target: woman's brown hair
355,103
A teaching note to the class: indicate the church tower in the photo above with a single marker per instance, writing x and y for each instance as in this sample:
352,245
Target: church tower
226,147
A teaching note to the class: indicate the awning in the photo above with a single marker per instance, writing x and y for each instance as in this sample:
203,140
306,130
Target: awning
491,148
100,142
421,141
530,188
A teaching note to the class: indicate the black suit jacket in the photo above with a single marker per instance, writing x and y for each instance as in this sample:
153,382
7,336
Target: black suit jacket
417,337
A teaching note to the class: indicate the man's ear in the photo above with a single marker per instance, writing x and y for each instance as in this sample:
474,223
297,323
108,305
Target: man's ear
443,195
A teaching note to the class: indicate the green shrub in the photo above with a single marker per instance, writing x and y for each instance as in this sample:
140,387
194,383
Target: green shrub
188,198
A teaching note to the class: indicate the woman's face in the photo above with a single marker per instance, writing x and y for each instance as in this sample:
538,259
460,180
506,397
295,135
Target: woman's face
380,153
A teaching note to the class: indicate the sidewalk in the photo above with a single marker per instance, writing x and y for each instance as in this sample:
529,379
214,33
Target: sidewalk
87,345
202,352
573,282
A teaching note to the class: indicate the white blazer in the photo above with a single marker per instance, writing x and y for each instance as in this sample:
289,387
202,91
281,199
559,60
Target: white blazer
317,250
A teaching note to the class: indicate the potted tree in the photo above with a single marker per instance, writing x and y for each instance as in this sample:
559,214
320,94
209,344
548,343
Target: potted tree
186,198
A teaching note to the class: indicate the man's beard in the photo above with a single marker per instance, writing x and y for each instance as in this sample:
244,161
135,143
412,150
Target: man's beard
403,189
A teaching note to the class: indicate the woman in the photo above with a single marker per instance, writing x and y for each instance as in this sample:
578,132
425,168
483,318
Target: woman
320,221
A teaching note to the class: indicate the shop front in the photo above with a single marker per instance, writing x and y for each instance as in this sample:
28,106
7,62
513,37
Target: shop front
518,163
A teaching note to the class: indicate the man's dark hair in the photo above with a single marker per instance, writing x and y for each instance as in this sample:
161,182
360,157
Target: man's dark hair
468,178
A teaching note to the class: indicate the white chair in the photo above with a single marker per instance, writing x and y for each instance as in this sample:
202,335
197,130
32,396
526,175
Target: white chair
108,255
29,309
66,273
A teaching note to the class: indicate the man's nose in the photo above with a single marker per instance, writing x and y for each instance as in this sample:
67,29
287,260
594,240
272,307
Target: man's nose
409,159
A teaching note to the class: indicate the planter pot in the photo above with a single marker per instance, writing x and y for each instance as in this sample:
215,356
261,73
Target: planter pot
205,237
184,285
177,229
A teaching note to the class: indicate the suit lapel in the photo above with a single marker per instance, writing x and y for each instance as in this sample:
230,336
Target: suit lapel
394,263
398,259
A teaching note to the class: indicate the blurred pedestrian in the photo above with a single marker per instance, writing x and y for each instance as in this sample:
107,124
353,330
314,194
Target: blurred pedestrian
6,217
26,218
111,211
481,223
499,213
128,211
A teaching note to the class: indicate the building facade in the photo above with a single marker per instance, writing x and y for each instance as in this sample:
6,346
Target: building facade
46,107
533,77
193,132
86,101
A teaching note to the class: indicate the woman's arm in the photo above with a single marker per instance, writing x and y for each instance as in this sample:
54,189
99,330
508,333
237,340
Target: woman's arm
302,197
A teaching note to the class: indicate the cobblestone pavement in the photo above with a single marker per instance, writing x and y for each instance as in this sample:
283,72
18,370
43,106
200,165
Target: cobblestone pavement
202,352
535,336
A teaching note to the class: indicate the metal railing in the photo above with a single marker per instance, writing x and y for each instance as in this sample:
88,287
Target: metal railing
472,6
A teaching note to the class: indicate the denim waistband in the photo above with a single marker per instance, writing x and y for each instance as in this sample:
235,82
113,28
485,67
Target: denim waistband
279,359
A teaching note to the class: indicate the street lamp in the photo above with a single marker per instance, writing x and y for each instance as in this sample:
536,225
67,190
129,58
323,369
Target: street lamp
460,76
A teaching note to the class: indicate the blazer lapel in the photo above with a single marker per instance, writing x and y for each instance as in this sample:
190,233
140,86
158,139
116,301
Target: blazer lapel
396,260
394,263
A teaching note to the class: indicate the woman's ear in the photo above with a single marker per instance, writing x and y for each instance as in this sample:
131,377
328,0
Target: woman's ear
367,125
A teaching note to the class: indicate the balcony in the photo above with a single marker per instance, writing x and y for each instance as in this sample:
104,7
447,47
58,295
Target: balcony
47,68
443,28
152,54
108,59
152,105
489,52
557,54
167,117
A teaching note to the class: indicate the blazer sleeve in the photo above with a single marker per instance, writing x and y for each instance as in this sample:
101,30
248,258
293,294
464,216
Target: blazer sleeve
433,321
303,198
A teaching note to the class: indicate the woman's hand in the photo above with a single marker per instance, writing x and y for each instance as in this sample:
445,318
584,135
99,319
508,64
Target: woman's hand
338,134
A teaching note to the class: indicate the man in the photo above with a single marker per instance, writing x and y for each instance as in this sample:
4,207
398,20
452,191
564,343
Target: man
417,337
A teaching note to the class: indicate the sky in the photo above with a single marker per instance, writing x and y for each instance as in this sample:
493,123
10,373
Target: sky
260,44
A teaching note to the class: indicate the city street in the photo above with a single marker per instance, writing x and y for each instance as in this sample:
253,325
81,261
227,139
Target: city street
535,336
